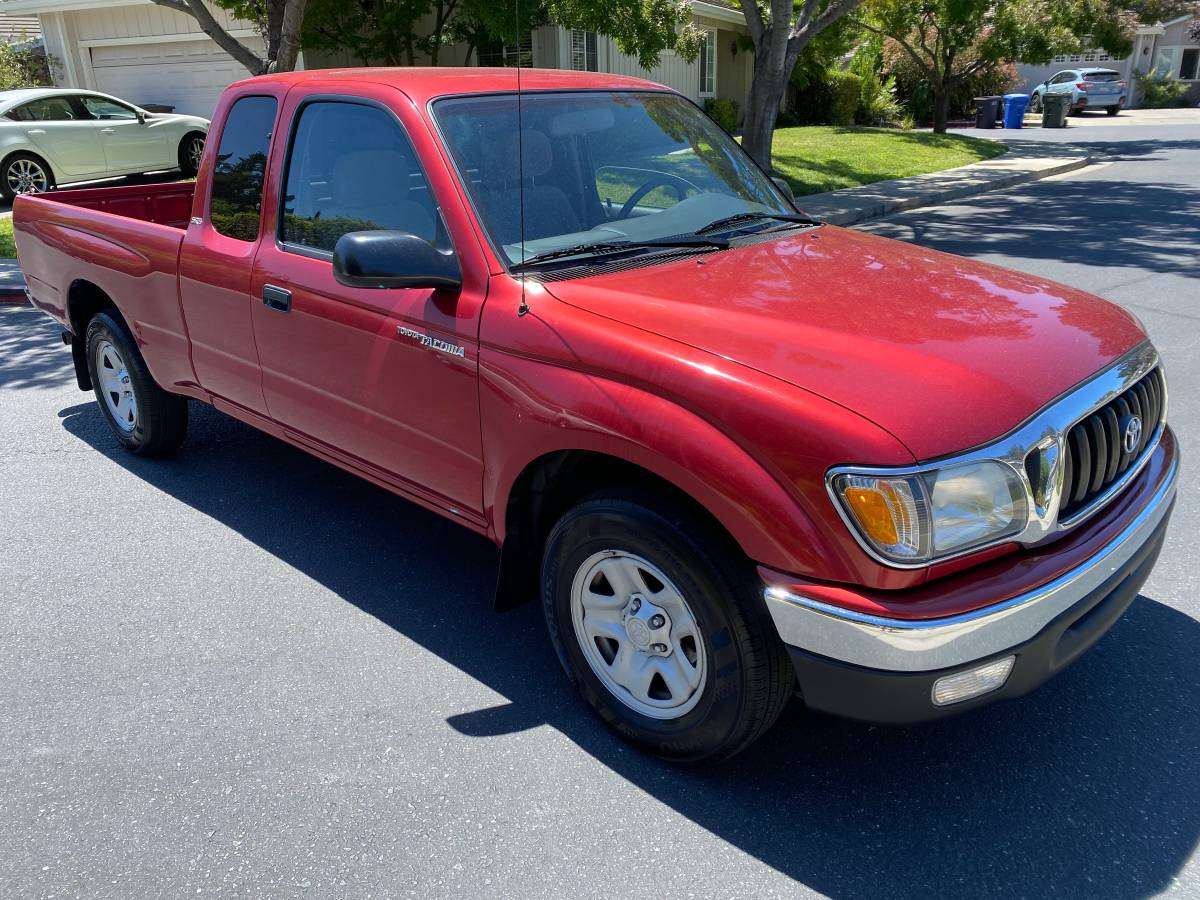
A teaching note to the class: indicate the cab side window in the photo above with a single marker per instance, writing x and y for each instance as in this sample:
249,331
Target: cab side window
241,167
350,168
99,108
47,109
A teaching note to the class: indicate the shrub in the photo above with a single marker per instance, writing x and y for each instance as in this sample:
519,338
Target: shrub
1160,91
847,91
877,103
914,94
723,111
23,66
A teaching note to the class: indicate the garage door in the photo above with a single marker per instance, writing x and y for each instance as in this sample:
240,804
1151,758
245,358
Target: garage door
188,75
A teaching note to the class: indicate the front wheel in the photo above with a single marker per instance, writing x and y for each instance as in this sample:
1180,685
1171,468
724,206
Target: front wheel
1035,103
146,419
24,173
662,629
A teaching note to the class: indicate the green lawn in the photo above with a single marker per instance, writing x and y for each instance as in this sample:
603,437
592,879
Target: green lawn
7,249
825,157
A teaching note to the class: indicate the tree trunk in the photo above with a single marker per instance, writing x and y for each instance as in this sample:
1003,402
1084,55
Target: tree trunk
941,106
772,67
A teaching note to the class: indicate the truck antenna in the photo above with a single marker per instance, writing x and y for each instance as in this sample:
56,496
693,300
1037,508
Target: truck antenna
524,307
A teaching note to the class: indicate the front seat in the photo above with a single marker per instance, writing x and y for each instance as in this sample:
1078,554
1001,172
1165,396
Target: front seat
548,212
373,187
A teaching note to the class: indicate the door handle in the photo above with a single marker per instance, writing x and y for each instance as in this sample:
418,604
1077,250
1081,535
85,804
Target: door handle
276,298
108,131
37,131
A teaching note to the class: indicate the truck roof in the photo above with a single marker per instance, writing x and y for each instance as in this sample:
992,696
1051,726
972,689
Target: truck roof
424,83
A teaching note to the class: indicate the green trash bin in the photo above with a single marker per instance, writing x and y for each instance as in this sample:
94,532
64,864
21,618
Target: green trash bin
1054,110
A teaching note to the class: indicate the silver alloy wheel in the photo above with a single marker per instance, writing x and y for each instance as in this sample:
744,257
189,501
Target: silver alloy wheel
27,176
638,634
116,387
195,152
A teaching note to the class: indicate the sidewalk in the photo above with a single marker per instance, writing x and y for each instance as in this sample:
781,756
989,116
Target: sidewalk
1026,160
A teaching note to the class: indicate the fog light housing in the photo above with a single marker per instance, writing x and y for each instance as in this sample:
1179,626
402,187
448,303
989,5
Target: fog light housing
973,682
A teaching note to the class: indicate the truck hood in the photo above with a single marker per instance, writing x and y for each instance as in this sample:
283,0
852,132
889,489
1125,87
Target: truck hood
943,352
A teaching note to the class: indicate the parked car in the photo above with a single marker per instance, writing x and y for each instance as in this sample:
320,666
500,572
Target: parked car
51,137
736,455
1089,89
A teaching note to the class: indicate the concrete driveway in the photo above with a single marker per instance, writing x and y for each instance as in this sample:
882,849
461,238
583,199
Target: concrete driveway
244,671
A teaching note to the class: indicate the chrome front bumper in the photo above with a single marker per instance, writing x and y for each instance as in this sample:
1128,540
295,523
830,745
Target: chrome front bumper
901,645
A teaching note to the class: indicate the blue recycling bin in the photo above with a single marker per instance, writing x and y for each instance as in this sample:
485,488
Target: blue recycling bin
1014,109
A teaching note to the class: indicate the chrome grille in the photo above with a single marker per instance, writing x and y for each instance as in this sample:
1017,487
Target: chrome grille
1095,455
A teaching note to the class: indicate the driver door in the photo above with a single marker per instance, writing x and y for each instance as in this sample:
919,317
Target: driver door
385,379
130,145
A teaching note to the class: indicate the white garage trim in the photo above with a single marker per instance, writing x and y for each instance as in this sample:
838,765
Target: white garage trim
186,71
166,38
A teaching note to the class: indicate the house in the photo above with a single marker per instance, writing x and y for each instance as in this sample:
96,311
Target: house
1166,49
153,55
19,29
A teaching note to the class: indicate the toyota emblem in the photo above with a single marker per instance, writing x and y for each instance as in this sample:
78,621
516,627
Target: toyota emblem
1132,435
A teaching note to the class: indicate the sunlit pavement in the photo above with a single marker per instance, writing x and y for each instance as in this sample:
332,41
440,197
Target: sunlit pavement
243,670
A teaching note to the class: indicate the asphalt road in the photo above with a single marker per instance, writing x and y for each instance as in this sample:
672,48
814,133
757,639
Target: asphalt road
244,671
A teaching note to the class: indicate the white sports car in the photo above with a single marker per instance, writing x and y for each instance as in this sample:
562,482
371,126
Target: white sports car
50,137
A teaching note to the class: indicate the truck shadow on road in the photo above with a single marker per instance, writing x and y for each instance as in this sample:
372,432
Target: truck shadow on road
1144,226
1089,786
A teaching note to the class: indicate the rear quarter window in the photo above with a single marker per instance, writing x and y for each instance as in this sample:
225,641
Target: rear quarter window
241,166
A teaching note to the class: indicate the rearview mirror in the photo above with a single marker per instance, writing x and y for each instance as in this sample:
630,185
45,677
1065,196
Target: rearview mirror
393,259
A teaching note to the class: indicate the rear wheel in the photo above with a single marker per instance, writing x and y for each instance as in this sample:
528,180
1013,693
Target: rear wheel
664,633
191,151
24,173
144,418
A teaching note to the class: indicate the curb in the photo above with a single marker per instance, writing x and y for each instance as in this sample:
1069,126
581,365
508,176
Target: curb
12,283
850,206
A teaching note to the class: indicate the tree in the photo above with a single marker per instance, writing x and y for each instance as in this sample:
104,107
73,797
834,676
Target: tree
278,21
780,30
375,31
951,40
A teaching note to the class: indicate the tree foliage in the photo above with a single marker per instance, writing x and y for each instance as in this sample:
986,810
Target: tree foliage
22,67
950,41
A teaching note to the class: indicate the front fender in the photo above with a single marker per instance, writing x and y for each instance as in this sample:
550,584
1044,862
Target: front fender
750,449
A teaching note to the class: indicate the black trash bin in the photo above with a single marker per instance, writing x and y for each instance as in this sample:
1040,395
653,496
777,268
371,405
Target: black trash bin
1054,110
987,111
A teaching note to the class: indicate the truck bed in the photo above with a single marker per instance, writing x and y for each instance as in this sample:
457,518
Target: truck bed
81,248
163,204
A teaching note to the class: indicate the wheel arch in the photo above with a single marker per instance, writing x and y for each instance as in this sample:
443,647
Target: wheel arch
27,148
84,300
551,484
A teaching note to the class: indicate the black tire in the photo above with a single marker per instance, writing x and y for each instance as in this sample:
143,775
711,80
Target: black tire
749,676
9,191
1035,103
1112,110
189,164
161,418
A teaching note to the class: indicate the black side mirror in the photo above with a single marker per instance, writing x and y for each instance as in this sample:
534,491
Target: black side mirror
785,187
141,117
393,259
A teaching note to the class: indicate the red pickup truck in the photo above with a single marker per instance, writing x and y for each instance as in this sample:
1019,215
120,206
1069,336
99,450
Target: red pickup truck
738,455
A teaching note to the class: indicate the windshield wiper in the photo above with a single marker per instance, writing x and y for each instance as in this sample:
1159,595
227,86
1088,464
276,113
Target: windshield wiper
739,218
605,248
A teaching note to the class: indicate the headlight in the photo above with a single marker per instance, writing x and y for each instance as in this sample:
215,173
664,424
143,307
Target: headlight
916,519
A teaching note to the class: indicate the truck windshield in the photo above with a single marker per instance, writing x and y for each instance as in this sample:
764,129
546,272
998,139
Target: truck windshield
600,167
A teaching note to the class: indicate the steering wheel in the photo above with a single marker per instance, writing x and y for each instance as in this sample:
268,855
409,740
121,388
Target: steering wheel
660,179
